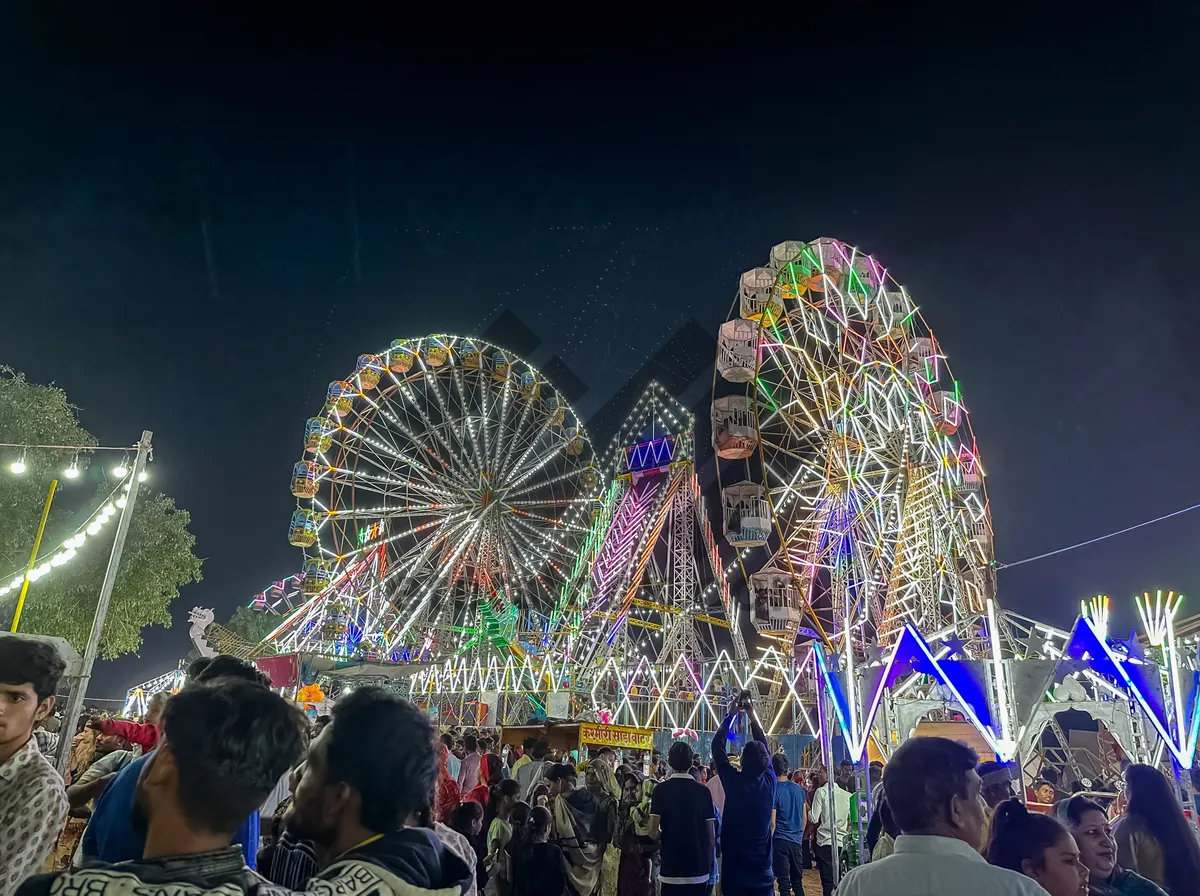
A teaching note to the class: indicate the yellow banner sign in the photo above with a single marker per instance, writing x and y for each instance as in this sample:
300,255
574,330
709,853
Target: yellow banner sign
617,736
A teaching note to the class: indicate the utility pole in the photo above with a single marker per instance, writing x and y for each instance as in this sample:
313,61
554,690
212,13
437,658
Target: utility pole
75,702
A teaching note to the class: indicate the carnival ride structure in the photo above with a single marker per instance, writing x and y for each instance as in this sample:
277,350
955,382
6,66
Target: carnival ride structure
459,529
442,502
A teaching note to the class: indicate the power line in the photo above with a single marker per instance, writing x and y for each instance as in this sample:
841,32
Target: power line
1081,544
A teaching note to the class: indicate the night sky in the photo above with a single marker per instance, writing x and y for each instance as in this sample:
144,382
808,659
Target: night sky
203,222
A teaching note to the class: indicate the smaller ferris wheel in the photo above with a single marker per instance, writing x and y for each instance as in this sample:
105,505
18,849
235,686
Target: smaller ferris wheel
443,497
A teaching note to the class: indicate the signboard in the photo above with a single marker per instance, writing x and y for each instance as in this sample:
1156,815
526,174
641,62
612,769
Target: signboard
618,736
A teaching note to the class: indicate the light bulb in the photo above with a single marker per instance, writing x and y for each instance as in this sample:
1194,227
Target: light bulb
121,501
72,472
142,476
120,470
93,529
17,466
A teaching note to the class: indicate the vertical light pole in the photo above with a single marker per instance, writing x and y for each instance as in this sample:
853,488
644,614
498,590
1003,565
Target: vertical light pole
75,702
37,544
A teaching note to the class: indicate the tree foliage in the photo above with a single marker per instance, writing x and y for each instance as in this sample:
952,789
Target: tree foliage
252,625
158,558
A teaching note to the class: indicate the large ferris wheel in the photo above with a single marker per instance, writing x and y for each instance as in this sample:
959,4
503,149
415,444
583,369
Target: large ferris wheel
847,458
443,499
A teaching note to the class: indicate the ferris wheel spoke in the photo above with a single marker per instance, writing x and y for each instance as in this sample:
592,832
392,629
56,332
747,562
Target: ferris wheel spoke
540,484
443,570
456,422
515,442
460,462
393,412
469,416
502,427
377,450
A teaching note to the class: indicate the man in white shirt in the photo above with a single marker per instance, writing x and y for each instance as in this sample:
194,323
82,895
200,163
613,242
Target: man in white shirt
933,792
831,824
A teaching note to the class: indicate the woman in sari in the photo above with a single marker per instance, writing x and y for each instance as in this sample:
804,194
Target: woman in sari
580,829
634,874
446,792
602,783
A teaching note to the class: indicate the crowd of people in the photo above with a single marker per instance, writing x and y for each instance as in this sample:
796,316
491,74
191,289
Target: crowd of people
226,786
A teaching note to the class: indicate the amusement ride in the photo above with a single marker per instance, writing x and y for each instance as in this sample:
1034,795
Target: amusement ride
465,543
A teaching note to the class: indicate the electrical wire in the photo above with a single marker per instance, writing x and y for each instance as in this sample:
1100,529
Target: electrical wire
1099,538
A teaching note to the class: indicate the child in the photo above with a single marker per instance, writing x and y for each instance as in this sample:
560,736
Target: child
501,800
467,819
540,868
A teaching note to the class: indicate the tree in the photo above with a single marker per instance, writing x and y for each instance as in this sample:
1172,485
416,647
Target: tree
252,625
158,558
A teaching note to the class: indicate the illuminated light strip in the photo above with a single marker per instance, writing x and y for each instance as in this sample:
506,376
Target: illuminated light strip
1183,756
66,551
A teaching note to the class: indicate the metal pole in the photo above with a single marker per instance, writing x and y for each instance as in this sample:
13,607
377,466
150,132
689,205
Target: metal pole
75,702
37,543
827,743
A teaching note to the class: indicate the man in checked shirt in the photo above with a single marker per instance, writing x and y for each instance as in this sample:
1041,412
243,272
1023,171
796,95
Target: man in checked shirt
33,800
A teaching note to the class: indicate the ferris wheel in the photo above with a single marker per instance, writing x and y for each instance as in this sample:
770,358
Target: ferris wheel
443,498
847,456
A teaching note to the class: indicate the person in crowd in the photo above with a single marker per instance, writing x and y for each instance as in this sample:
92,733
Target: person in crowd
224,745
456,843
832,818
788,818
540,868
288,861
714,785
526,754
1089,825
467,820
885,844
531,774
140,734
367,780
933,790
446,792
875,768
491,773
502,798
518,817
746,819
33,801
453,763
111,755
45,738
1154,838
633,874
110,834
540,795
658,768
607,755
996,786
683,820
602,783
580,828
468,773
1037,846
845,777
808,857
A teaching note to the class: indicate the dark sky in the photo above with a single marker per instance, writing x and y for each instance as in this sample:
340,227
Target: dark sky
1032,182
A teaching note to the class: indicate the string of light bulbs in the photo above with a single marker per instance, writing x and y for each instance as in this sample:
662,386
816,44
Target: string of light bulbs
66,551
